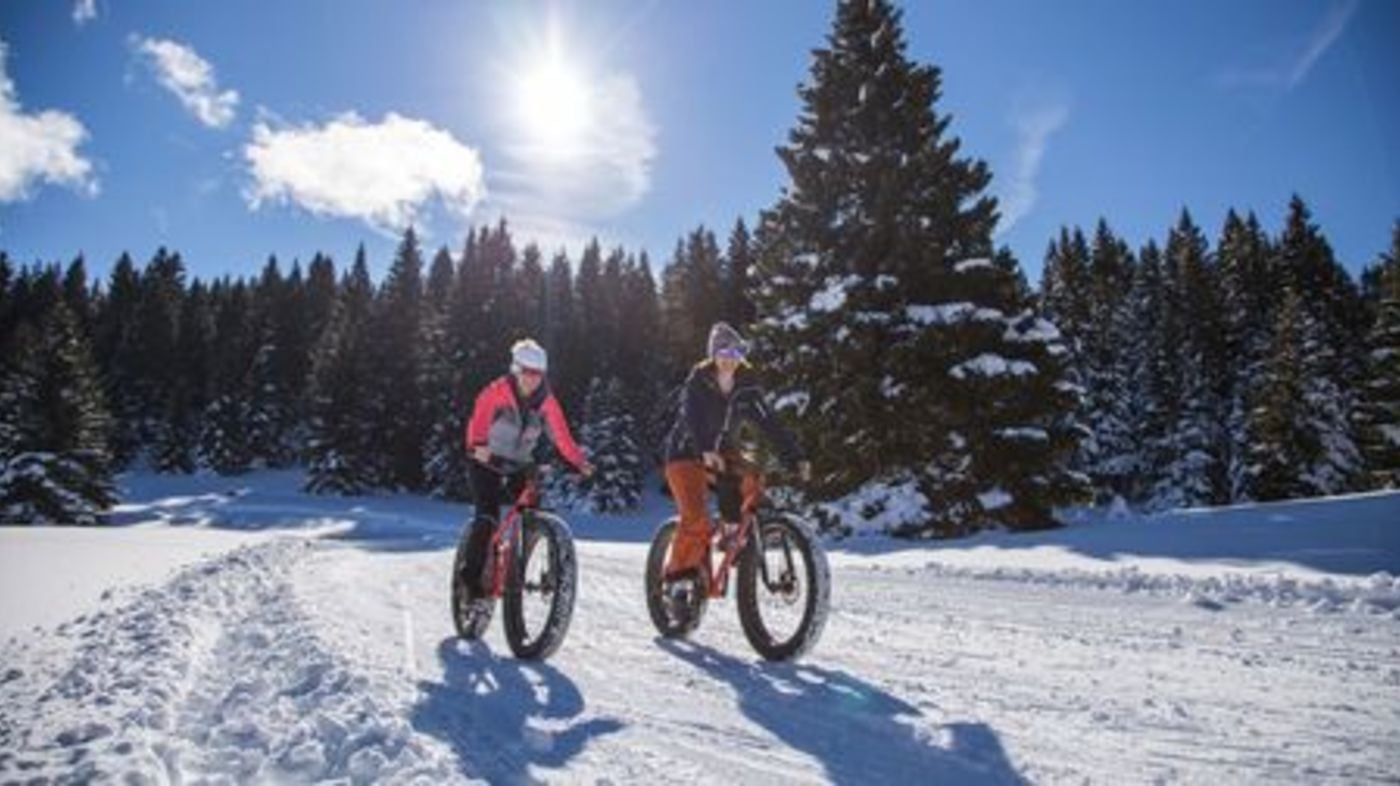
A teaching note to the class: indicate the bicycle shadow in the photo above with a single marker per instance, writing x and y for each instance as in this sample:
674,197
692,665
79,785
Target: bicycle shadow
859,733
502,716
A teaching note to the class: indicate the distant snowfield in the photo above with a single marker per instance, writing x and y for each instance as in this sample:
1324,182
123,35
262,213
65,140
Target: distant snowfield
236,628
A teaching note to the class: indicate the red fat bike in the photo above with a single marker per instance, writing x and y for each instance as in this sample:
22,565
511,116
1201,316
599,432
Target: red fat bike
529,565
784,584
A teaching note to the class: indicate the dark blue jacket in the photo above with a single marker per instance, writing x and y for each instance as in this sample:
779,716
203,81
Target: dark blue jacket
708,420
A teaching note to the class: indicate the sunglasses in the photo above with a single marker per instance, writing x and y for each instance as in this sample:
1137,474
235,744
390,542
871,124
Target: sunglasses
730,353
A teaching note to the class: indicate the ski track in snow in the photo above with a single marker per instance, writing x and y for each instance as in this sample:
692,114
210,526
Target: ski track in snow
304,660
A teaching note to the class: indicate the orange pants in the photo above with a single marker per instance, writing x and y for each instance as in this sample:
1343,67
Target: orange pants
689,481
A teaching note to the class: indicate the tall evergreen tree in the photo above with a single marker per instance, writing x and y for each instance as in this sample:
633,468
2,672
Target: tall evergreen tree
1248,310
1192,469
396,408
118,350
223,440
878,298
1378,413
738,307
55,467
342,445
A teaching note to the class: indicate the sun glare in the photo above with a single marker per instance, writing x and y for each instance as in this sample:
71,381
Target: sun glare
553,105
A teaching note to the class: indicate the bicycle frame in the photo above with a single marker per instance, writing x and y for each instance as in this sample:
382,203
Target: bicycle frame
719,578
506,541
748,525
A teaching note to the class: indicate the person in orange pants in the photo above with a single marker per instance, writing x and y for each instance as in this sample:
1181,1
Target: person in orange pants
718,396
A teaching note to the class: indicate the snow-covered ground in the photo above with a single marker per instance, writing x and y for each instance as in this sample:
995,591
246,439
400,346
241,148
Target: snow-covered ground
240,631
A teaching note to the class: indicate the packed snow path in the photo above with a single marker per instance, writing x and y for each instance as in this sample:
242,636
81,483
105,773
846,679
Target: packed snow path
304,659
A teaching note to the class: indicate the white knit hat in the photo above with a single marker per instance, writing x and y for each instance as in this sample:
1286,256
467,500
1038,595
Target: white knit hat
527,354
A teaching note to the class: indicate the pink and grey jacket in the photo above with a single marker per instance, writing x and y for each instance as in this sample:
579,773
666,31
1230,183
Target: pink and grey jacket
511,426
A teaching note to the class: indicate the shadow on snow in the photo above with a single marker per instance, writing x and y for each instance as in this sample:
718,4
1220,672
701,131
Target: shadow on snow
859,733
503,716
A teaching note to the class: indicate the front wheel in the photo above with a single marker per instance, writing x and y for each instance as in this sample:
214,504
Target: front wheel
784,589
676,607
539,599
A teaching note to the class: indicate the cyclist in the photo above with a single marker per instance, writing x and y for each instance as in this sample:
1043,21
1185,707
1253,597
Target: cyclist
719,395
507,420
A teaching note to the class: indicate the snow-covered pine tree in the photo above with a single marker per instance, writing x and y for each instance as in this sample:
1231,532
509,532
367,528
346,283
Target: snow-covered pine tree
395,407
1191,469
445,457
1249,313
1107,368
223,439
1282,444
1146,386
877,299
157,336
55,467
1334,342
341,444
1378,413
118,351
610,434
177,443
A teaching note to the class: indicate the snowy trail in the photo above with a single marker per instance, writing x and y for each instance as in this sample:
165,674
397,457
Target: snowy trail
307,659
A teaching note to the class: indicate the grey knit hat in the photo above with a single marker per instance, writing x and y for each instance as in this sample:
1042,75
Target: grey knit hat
726,340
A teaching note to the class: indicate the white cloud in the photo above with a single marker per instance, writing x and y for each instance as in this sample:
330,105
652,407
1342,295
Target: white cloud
605,172
84,11
190,77
1033,131
1293,67
383,174
40,147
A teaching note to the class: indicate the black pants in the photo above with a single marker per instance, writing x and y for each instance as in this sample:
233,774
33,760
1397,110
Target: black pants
489,492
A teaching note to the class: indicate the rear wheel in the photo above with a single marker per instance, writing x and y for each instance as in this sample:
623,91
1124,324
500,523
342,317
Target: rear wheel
471,611
677,606
784,589
539,599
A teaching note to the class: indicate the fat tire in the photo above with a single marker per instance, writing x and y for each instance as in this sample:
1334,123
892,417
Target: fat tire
817,598
538,528
667,625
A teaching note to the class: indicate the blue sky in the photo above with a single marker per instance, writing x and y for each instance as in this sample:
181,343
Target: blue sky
231,131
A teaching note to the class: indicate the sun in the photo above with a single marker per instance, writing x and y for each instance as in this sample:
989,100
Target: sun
553,105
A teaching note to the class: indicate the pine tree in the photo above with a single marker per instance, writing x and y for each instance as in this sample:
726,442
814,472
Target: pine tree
341,447
1281,444
1192,471
610,433
176,444
119,350
738,307
56,467
1333,346
1378,413
157,336
223,438
1107,368
1248,310
878,298
397,407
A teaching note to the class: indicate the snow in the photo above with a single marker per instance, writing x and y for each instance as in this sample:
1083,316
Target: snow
951,313
995,499
972,264
251,633
1039,331
833,296
1030,434
989,364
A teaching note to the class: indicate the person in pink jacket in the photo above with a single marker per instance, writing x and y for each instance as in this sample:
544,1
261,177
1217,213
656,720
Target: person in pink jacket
507,420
